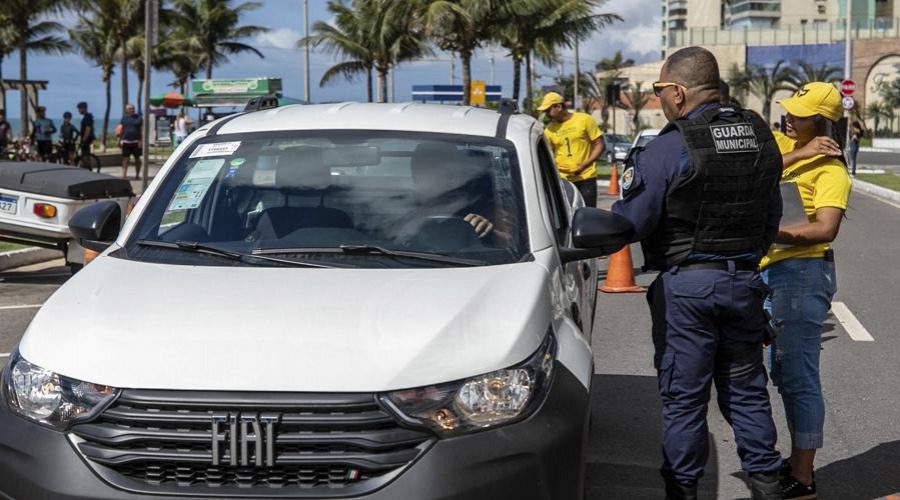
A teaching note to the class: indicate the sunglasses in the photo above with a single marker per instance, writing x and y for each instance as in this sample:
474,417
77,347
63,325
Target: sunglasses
658,87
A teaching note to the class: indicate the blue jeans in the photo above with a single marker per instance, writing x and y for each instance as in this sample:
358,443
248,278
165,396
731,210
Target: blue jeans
801,292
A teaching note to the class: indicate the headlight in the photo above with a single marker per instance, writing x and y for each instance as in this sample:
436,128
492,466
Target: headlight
49,398
488,400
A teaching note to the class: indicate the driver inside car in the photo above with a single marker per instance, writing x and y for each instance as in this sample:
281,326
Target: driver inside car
454,183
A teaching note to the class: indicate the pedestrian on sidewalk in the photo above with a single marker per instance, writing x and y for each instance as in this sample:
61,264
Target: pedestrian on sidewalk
87,130
130,135
704,199
181,128
6,136
800,272
42,133
577,143
856,133
69,136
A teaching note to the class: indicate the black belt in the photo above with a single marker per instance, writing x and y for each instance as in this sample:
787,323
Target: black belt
720,265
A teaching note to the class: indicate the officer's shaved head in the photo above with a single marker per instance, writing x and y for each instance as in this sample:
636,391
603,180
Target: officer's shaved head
693,67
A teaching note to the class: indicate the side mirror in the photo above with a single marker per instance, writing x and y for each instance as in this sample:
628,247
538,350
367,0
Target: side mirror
97,226
597,232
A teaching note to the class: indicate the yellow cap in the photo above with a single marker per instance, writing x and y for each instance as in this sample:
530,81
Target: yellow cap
816,98
550,98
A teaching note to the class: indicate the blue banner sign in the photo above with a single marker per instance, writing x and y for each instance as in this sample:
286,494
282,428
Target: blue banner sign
451,93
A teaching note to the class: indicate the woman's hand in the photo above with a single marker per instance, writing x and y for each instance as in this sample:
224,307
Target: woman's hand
821,145
483,227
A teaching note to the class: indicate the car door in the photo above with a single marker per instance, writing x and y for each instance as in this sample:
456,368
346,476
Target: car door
579,278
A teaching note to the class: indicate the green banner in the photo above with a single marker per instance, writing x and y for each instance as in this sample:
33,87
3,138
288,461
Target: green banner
247,86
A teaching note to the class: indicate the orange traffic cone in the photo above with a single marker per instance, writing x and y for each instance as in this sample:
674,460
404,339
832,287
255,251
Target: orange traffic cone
620,274
613,181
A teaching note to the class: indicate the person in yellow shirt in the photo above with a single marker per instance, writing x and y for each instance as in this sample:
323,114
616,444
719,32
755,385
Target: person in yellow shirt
799,270
577,143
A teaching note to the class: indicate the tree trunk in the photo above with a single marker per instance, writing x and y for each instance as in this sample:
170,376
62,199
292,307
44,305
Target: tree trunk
382,84
124,74
2,90
767,109
369,83
209,70
517,77
527,104
466,58
23,94
140,96
108,81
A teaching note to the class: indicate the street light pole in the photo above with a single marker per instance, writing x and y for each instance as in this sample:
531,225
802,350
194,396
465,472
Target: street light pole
847,62
149,35
575,99
306,50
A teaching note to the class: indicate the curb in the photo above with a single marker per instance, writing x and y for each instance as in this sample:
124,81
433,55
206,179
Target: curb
26,257
877,191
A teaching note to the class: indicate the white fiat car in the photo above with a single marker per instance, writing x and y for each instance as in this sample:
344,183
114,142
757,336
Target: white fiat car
370,301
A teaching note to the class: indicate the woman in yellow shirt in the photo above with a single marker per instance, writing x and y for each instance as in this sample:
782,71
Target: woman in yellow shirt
799,270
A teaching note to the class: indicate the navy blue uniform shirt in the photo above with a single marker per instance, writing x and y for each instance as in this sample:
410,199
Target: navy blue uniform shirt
656,167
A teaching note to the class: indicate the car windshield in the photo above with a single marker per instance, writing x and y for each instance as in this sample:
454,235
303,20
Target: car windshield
617,138
347,198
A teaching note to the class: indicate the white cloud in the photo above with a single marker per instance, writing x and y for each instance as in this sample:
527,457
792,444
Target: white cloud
281,38
639,36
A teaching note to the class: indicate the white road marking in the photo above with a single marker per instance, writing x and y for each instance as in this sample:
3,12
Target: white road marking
4,354
853,327
29,306
870,195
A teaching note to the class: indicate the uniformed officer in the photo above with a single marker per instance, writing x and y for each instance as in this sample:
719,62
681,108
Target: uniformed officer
704,199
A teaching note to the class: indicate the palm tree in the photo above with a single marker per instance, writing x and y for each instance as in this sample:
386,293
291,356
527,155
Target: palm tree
370,35
125,18
539,27
95,39
738,81
210,28
764,82
805,72
637,99
7,47
25,30
348,39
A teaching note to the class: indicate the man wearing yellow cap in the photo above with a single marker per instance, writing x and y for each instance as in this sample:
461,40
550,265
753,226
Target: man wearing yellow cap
800,272
576,142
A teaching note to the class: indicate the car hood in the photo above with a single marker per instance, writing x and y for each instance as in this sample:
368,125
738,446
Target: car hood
142,325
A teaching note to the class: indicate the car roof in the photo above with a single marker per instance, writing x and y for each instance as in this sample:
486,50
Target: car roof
650,131
412,117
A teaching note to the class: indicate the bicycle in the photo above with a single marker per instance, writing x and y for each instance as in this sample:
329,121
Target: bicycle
88,161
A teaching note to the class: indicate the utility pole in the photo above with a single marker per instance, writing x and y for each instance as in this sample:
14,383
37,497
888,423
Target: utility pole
491,59
847,61
150,29
391,83
576,100
306,50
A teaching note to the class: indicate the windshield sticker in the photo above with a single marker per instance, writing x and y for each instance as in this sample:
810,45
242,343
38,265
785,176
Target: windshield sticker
216,149
195,186
237,162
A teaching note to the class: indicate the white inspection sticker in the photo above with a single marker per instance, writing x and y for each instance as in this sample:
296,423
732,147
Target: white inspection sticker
216,149
194,187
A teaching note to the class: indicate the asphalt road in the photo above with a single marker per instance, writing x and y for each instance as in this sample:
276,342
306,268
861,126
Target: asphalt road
879,159
861,459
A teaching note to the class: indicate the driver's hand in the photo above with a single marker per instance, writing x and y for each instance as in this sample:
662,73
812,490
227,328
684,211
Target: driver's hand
483,227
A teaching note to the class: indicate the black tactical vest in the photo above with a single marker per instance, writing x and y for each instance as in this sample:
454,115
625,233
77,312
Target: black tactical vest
721,206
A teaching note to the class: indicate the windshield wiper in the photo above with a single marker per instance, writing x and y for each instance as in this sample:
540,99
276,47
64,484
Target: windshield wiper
376,250
197,247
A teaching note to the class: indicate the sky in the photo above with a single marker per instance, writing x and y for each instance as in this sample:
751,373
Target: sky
72,78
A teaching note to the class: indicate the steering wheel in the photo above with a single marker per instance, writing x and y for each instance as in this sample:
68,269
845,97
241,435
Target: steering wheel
444,233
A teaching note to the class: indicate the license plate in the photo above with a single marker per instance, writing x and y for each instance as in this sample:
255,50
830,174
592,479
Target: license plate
9,205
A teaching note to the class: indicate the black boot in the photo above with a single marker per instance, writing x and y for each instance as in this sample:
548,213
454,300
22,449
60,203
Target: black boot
765,486
679,491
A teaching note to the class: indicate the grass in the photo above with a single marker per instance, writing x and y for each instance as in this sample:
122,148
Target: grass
886,180
6,247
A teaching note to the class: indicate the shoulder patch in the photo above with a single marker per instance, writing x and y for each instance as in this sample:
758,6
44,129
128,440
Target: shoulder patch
734,138
628,177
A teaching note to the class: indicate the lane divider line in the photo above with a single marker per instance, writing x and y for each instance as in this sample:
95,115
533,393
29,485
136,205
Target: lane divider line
851,325
28,306
4,354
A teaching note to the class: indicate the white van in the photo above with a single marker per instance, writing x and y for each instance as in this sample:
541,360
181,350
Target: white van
371,301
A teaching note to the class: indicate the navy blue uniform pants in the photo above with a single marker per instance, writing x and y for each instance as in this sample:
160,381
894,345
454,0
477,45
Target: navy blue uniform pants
708,326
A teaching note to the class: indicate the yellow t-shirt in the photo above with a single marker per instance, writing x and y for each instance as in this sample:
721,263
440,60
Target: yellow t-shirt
572,141
823,182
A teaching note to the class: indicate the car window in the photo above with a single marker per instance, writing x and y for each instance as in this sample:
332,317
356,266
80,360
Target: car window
552,188
450,195
644,140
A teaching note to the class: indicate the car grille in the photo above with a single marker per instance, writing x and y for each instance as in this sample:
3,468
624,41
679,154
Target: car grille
274,444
